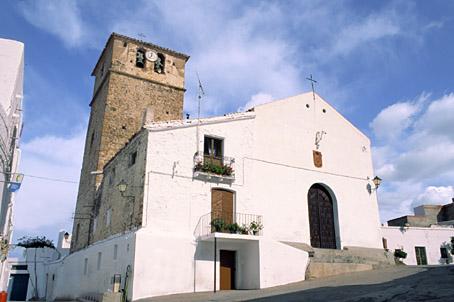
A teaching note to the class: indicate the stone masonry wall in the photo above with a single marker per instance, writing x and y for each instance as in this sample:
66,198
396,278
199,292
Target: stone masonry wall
87,184
117,212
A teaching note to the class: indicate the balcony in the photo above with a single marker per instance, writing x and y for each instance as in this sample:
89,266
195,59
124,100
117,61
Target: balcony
241,226
214,168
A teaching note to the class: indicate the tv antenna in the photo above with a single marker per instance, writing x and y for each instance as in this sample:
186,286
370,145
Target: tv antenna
200,94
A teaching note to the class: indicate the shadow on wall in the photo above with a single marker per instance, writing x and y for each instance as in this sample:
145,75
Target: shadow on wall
432,284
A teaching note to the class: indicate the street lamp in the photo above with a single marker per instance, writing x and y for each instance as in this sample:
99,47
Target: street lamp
122,186
376,181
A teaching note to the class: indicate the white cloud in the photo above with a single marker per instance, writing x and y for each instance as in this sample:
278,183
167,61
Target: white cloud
416,160
60,18
257,99
373,28
392,121
435,195
439,118
42,203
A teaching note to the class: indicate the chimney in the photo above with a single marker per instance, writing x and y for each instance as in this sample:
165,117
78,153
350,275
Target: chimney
148,116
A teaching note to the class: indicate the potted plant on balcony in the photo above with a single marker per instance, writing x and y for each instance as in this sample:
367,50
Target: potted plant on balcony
399,255
244,229
218,224
255,227
233,228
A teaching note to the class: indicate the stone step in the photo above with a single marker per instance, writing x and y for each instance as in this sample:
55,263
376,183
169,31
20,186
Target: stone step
320,270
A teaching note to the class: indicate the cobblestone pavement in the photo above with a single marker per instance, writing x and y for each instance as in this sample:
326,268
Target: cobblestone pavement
402,283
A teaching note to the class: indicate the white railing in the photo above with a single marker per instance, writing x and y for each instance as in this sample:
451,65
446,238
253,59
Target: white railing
244,224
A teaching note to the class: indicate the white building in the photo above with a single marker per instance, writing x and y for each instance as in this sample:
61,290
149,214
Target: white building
11,95
427,237
29,278
295,166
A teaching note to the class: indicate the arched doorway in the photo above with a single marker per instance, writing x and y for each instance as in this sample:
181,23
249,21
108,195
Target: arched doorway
321,218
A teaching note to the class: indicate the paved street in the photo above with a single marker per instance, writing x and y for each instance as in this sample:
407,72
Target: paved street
401,283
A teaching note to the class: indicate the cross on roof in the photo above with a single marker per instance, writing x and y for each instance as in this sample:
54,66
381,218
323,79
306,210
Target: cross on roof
312,84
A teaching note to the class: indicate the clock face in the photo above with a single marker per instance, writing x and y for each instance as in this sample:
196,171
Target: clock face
151,56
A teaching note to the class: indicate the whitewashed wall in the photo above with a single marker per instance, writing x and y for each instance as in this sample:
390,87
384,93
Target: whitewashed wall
274,170
407,239
70,280
283,171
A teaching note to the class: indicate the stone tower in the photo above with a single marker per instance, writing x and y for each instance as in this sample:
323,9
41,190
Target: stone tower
132,78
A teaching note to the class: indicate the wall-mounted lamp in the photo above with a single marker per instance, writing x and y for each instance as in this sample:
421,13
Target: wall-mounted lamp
122,186
66,235
376,181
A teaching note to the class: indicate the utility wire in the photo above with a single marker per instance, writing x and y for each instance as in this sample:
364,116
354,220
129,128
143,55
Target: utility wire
47,178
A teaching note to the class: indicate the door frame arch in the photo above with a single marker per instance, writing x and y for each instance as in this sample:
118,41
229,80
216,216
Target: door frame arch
334,201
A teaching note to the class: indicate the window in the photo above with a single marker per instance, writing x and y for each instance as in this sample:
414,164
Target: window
77,233
115,254
132,158
19,267
108,217
159,64
98,264
112,176
85,266
140,58
92,139
444,252
95,224
213,147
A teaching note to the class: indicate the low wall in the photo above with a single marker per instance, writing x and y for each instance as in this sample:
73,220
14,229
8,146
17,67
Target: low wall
90,271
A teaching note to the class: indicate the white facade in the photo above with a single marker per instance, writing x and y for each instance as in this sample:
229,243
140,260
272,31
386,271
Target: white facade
432,239
11,95
273,145
37,264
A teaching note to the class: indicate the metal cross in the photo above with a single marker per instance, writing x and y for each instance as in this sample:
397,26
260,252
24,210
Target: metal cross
312,84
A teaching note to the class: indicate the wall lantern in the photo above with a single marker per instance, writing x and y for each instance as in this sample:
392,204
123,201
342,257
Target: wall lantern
376,181
66,235
122,186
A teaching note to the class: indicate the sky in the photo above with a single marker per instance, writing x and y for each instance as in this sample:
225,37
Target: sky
385,65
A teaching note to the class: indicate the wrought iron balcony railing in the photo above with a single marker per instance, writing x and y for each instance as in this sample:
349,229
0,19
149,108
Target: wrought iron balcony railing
217,166
238,223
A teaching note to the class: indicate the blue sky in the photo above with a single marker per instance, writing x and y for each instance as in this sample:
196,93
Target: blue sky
386,65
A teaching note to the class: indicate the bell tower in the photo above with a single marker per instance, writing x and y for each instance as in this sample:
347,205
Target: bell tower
131,77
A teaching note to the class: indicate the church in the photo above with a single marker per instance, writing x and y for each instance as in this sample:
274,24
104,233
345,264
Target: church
246,200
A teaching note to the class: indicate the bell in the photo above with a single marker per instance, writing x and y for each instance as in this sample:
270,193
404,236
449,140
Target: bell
140,59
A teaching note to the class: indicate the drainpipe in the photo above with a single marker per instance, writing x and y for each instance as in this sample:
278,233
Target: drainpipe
215,248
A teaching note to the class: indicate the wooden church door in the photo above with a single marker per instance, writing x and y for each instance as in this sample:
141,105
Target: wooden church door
321,218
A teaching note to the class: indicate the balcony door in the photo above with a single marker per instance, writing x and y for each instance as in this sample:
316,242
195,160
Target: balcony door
222,205
213,150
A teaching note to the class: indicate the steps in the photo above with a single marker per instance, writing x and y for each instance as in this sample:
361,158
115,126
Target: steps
330,262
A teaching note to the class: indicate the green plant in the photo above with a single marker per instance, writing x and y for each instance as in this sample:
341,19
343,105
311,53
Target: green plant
255,227
398,253
244,229
214,168
218,224
233,228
